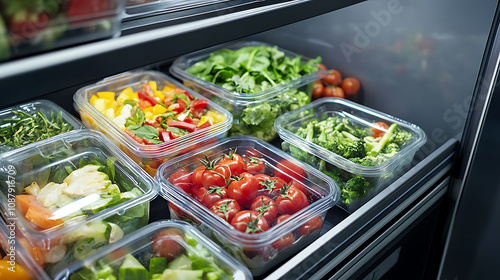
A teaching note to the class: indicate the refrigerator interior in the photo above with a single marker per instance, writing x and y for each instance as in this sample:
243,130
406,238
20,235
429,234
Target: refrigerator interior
416,60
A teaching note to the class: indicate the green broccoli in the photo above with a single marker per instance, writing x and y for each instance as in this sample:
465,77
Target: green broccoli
354,189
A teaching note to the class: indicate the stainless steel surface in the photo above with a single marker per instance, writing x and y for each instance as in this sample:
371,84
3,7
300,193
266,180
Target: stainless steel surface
373,249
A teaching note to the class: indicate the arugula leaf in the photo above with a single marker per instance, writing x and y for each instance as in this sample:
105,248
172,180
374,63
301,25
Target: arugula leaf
146,132
136,120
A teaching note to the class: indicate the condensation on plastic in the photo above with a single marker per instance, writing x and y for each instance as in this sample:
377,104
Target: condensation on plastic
142,153
140,242
30,163
238,244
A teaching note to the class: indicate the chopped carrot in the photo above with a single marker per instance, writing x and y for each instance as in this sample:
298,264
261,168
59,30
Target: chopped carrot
24,201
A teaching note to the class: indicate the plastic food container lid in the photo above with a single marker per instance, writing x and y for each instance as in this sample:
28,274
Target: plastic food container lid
34,107
135,80
141,240
181,64
31,163
363,116
316,182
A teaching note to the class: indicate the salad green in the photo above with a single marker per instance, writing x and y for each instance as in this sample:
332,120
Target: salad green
252,70
354,143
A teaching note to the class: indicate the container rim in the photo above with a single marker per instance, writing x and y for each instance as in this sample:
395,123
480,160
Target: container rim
32,234
339,161
175,195
233,96
144,150
241,271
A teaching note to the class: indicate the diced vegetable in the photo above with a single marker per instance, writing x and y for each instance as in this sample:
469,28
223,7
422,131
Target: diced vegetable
133,270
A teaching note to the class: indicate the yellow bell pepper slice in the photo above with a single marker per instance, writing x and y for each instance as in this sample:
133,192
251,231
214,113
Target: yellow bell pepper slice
158,109
152,85
108,95
216,117
205,119
93,99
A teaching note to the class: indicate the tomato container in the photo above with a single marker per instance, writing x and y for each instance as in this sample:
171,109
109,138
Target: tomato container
360,117
149,157
259,252
41,109
70,195
253,113
31,27
182,245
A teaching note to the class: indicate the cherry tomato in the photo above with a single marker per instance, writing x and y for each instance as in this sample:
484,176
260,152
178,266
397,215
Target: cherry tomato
333,78
234,162
266,207
288,170
379,129
301,187
243,188
167,243
197,106
287,239
291,200
250,222
261,178
209,196
197,179
310,226
255,165
317,90
333,91
350,85
226,209
213,175
182,180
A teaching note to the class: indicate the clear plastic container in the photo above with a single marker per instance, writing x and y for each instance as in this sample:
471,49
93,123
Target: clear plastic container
15,254
39,108
32,27
148,156
136,8
378,176
184,243
253,114
259,252
71,195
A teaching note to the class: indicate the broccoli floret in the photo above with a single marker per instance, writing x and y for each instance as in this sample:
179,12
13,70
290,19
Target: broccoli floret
358,132
354,189
390,150
368,160
401,137
383,141
345,144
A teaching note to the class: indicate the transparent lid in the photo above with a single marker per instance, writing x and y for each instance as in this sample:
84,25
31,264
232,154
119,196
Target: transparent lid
136,80
182,64
361,117
67,181
165,247
24,124
321,190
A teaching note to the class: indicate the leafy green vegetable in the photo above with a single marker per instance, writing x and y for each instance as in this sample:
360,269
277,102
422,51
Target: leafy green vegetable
147,132
24,128
136,120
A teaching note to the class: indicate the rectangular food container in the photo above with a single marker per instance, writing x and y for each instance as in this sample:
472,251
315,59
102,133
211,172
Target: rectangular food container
72,194
42,110
31,27
253,114
259,252
167,249
16,255
149,157
378,176
141,8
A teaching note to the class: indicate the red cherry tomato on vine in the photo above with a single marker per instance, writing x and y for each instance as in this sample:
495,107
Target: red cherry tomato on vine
182,179
288,170
333,78
266,206
243,188
226,208
234,162
291,200
287,239
209,196
255,165
250,222
310,226
317,90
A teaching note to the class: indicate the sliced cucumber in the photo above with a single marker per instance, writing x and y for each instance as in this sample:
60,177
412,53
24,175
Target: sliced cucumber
132,269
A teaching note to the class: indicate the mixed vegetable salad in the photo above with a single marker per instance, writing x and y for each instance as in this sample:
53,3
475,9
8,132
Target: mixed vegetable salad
251,70
365,146
153,116
72,194
237,189
171,255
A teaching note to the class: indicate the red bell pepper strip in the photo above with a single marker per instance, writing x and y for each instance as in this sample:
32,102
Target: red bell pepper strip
146,97
181,106
187,126
165,136
203,125
197,106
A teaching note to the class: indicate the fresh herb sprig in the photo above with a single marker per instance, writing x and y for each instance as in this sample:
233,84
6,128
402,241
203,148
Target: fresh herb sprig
24,129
